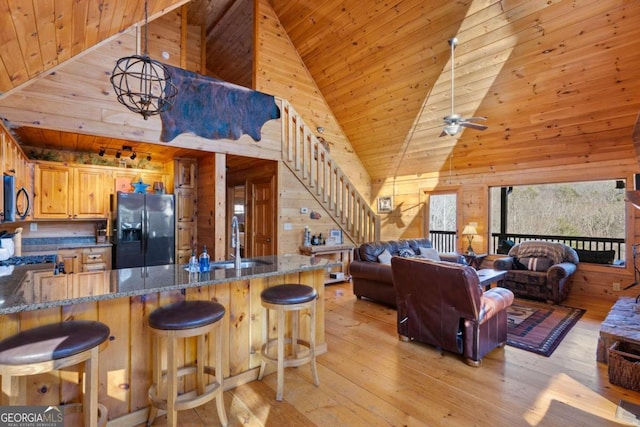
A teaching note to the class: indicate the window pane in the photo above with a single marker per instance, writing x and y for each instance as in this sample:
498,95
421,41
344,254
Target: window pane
593,212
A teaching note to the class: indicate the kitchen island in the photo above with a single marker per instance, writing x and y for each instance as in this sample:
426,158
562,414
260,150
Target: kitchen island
32,296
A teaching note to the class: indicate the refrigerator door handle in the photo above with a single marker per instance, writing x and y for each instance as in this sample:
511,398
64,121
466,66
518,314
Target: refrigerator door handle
145,231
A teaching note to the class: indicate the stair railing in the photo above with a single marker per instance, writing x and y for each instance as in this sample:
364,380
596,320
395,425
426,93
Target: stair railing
312,164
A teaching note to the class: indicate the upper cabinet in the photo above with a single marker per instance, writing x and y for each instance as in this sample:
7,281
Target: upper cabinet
185,173
64,192
52,195
90,193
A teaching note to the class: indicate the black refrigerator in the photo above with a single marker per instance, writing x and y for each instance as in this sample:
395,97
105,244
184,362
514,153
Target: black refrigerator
144,229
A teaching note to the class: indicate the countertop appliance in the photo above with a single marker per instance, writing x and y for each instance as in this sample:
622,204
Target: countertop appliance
144,229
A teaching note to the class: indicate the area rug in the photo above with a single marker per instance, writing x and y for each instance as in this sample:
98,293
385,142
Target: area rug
538,327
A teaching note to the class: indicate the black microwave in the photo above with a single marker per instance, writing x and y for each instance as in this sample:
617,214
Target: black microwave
9,198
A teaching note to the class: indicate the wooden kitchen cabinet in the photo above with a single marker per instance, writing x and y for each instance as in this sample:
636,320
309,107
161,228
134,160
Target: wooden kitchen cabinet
79,260
95,259
185,189
186,239
90,193
52,198
71,259
63,192
186,205
50,287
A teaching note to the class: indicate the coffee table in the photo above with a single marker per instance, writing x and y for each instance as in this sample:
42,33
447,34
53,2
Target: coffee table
622,324
489,275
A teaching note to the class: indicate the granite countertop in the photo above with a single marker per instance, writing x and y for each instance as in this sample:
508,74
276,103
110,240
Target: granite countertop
18,290
47,245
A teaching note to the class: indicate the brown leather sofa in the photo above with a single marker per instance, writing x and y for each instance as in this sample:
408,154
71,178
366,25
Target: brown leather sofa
442,304
539,270
372,279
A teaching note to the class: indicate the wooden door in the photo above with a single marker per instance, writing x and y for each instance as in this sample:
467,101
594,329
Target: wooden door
263,210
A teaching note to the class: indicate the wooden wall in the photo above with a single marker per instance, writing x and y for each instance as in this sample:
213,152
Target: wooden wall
473,198
279,70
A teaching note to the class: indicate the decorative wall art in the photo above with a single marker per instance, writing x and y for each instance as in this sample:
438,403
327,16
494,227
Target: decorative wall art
385,204
215,109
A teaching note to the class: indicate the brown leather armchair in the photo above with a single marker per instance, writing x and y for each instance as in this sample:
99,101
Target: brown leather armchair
539,270
442,304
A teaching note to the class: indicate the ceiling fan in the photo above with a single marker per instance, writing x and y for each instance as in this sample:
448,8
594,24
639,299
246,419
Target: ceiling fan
453,123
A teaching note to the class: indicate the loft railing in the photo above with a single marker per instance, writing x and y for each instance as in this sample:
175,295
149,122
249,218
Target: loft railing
310,161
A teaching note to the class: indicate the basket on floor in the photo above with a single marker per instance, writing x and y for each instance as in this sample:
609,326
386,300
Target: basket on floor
624,365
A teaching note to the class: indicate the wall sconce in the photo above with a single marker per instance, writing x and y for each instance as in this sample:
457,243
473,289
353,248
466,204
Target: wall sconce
470,231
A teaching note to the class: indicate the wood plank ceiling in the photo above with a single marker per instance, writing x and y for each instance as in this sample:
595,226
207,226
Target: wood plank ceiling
556,79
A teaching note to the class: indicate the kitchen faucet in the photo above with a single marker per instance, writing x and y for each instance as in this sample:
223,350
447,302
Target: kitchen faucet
235,242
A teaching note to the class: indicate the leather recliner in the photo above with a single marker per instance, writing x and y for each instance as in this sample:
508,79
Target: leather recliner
442,304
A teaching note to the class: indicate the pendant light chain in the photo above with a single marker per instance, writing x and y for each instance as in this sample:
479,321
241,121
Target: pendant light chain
142,84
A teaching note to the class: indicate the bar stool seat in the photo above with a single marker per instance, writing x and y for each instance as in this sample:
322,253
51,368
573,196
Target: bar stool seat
288,298
53,347
185,319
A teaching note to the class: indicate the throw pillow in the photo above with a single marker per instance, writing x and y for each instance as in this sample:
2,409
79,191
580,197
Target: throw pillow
429,253
518,265
537,264
384,257
406,253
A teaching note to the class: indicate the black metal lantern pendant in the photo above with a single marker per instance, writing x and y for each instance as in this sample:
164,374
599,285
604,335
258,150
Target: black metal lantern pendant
142,84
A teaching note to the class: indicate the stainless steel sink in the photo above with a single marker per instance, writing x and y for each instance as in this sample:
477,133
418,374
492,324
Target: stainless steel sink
247,263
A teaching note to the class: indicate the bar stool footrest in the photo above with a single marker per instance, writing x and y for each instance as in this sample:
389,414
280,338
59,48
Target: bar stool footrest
190,399
304,354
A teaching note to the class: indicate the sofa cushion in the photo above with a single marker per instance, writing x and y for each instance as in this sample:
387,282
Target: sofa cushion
527,277
429,253
532,263
596,257
406,252
385,257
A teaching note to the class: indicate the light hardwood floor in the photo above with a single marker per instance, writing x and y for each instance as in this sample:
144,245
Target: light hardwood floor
370,378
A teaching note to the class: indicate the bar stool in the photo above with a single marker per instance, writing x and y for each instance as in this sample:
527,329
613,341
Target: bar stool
289,298
53,347
185,319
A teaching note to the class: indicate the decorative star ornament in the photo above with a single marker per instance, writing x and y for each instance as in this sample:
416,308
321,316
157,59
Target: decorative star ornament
139,187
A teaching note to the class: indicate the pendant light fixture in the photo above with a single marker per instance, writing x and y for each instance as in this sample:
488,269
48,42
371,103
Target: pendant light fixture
142,84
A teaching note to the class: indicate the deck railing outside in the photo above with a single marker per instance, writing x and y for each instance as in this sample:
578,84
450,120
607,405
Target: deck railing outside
445,241
310,161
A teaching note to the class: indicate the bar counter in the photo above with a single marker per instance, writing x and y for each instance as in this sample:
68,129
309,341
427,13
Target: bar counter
31,295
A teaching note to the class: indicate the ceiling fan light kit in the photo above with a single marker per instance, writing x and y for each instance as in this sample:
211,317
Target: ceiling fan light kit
453,123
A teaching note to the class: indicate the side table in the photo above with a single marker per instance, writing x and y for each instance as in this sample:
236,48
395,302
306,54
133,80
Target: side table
474,260
341,253
489,275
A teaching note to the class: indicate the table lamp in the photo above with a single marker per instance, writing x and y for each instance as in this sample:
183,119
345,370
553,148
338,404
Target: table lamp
469,231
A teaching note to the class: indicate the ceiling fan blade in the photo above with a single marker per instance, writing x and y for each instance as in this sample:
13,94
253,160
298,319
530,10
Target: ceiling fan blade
473,125
475,118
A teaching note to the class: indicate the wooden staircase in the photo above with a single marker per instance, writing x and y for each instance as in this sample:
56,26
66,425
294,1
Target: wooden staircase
311,163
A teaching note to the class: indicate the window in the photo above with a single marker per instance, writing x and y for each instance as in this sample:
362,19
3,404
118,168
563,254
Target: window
442,221
588,216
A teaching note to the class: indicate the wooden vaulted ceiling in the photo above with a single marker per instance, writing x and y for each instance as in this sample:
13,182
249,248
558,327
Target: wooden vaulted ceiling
557,79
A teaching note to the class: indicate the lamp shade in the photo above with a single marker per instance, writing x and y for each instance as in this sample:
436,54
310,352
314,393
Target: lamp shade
469,230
